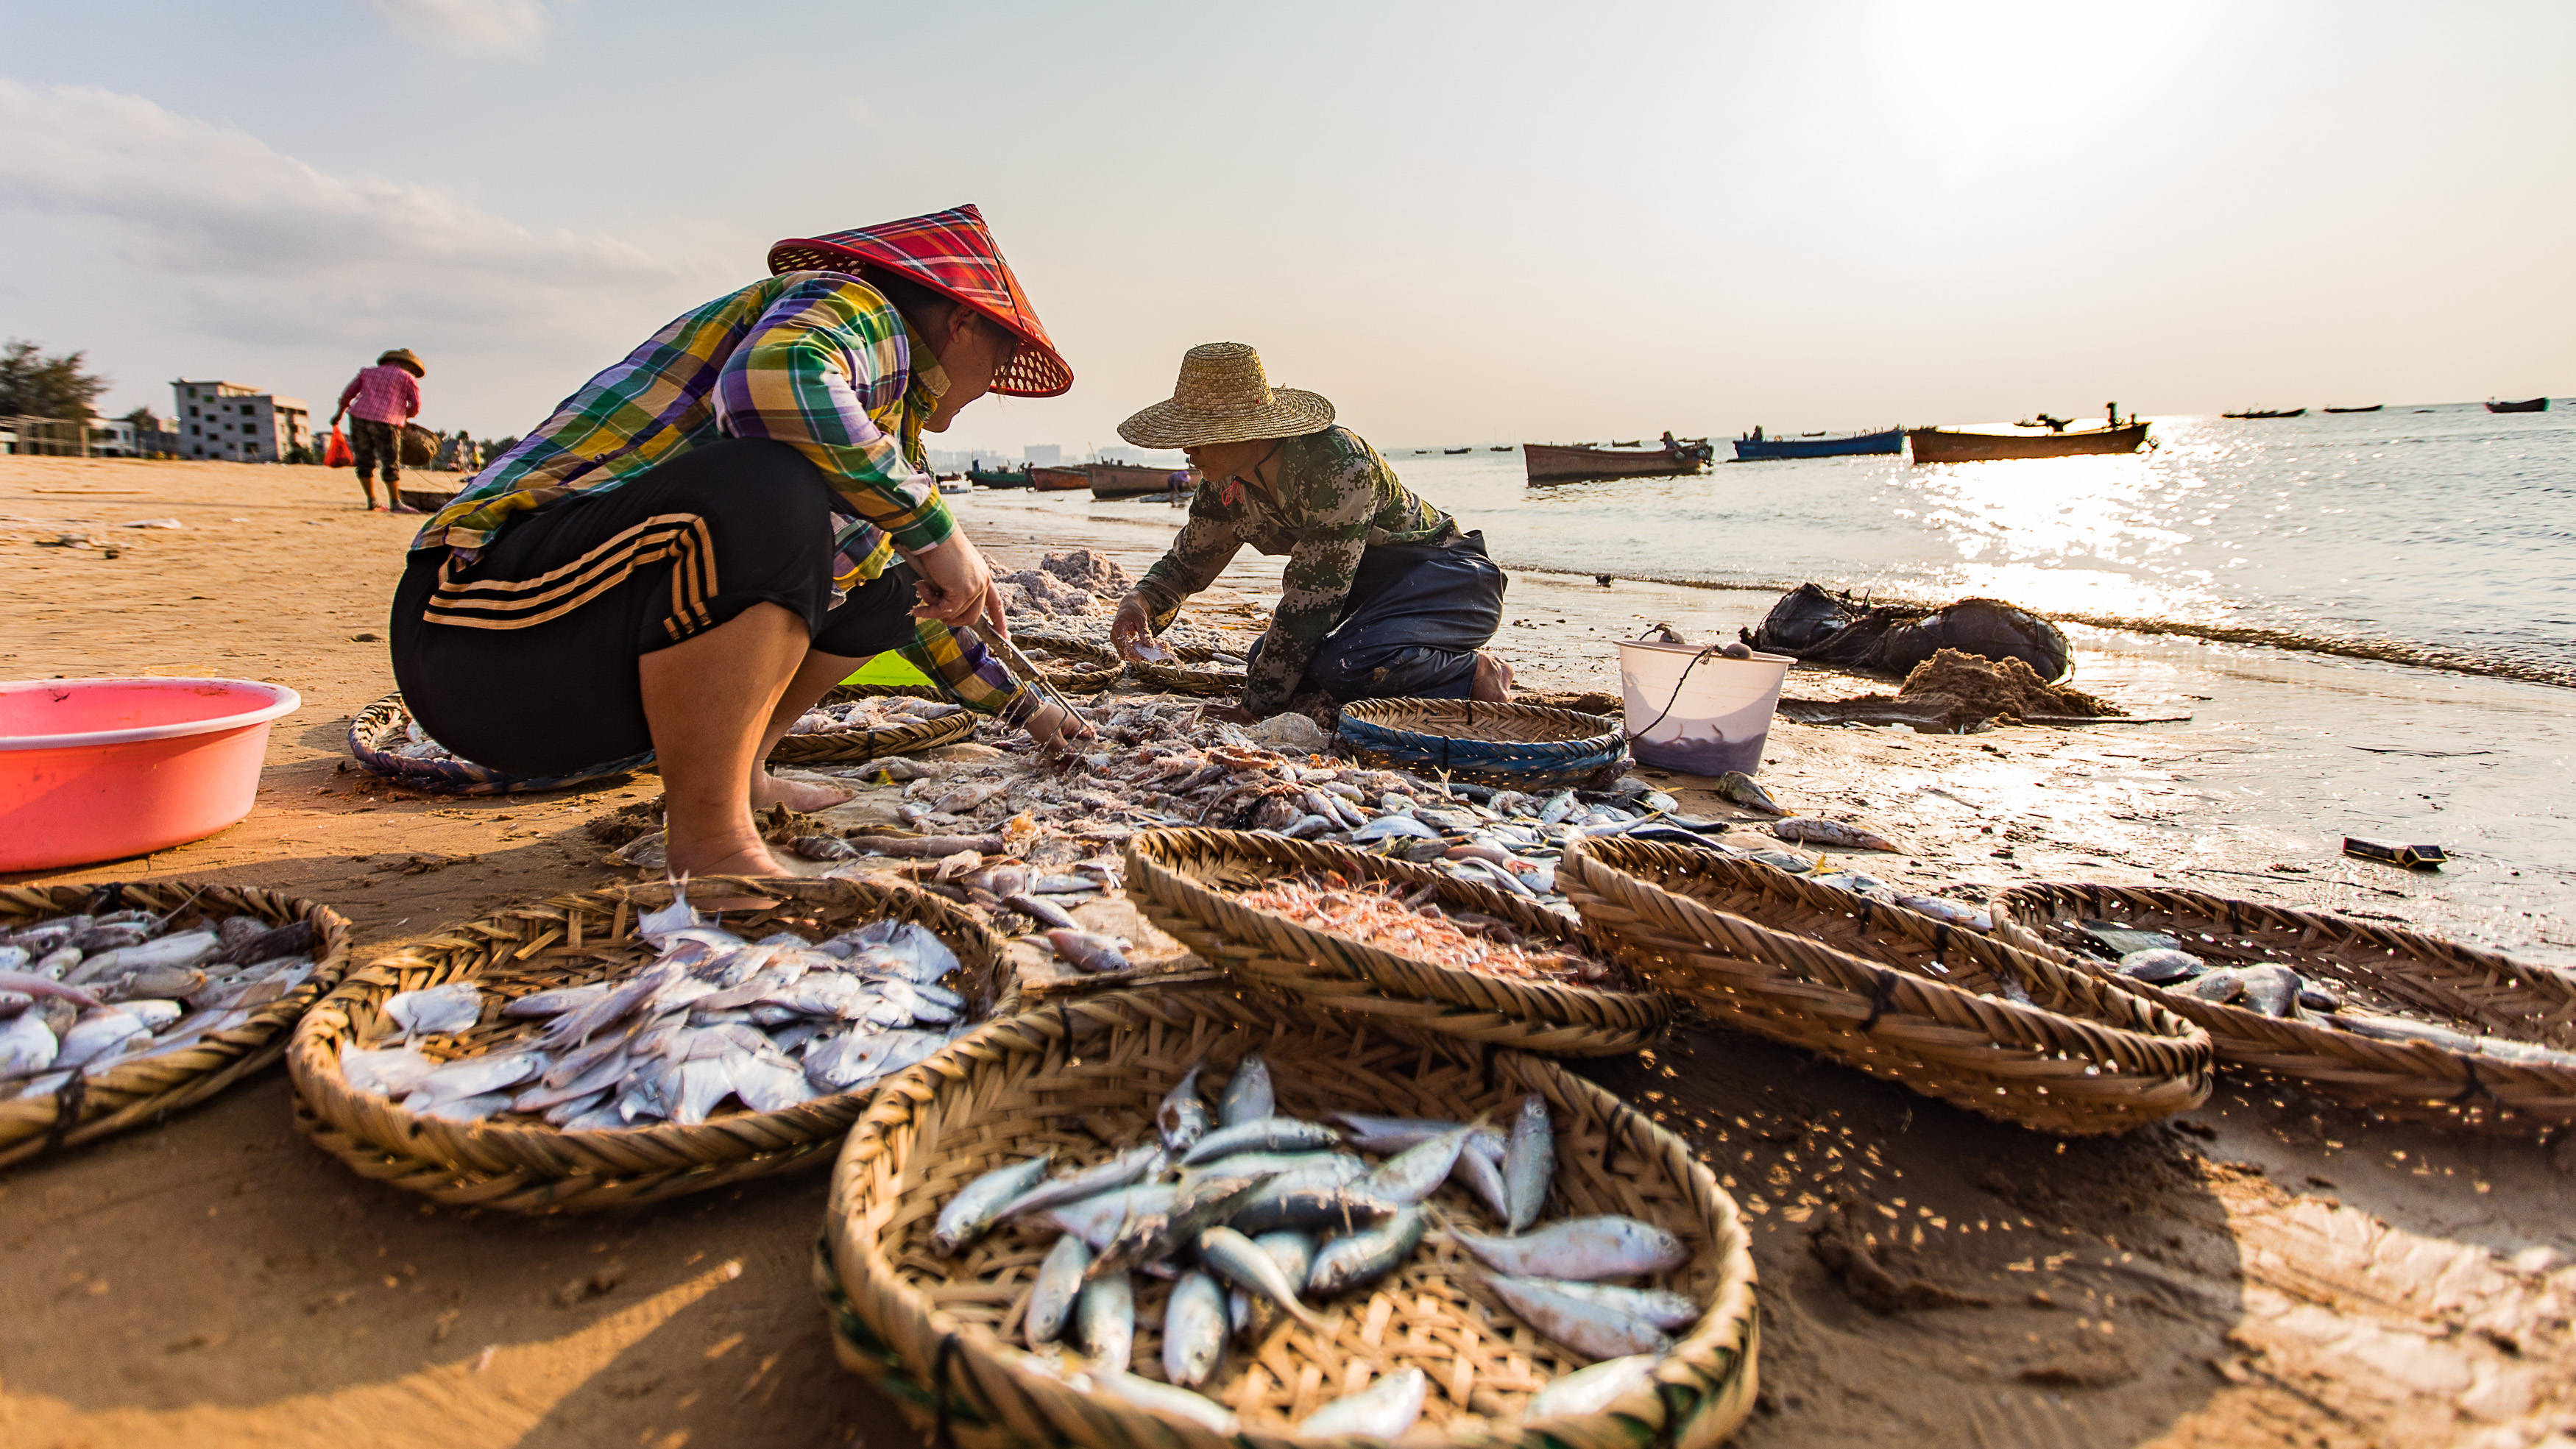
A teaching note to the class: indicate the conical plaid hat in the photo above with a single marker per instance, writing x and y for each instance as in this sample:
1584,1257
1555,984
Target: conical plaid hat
951,252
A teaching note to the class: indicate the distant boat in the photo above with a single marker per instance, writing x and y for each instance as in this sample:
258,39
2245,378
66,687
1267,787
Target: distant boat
1058,480
1457,450
1503,447
2374,407
1550,464
2281,413
2527,405
1816,445
998,477
1937,445
1421,450
1127,480
1818,433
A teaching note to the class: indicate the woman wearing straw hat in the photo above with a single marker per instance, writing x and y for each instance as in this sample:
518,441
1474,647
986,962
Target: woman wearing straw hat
1382,597
380,399
711,533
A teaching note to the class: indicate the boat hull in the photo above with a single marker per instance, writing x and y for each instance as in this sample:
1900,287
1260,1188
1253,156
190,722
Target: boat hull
1059,480
1126,480
2527,405
982,478
1934,445
1751,450
1547,464
2374,407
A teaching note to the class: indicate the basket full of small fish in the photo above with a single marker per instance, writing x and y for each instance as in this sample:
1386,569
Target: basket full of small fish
1391,939
120,1004
1183,1217
1944,1011
856,723
1524,746
389,743
2394,1021
620,1046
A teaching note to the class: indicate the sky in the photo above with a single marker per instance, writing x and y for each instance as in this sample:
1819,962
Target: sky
1463,223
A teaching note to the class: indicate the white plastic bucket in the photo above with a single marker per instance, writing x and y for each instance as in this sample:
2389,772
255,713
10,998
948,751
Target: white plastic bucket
1694,710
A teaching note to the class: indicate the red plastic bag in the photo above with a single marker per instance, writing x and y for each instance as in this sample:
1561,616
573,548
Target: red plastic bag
337,453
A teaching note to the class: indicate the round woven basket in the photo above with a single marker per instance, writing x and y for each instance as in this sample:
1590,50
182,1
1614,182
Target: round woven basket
1522,746
1186,677
566,941
852,745
1187,881
149,1089
1927,1006
939,1333
2478,992
383,726
1070,662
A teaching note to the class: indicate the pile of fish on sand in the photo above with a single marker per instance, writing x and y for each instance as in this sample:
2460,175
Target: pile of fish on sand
1160,762
767,1023
1255,1216
89,993
2158,958
872,712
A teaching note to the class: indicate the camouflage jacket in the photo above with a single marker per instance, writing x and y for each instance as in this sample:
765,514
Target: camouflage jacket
1337,498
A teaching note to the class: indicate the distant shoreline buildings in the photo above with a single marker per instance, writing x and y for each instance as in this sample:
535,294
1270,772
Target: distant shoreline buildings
239,424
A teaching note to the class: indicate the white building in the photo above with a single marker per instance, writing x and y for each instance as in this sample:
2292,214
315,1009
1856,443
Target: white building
238,424
1045,455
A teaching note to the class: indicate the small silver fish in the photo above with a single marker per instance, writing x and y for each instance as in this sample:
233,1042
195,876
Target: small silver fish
1557,809
1183,1118
1579,1248
1293,1251
27,1046
978,1205
474,1077
1045,912
1091,1181
1152,1236
1393,827
1484,1177
466,1109
1418,1171
391,1072
1364,1257
1595,1330
1247,1096
555,1002
1738,788
1168,1399
1383,1410
1269,1134
1097,1220
1529,1163
2158,965
1842,835
1104,1319
2218,987
186,949
98,1036
30,984
1592,1390
1194,1329
452,1007
1658,1306
1246,1264
1051,1297
1088,951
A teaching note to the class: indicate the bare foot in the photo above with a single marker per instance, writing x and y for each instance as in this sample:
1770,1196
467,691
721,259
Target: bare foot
1493,682
802,795
694,859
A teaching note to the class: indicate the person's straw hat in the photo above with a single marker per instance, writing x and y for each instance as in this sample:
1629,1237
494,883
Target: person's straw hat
953,253
406,359
1223,396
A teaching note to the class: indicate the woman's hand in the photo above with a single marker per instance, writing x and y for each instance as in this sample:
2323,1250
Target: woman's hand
956,585
1132,632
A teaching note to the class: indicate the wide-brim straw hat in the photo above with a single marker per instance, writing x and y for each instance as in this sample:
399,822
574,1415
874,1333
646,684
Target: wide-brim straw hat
953,253
1224,396
406,359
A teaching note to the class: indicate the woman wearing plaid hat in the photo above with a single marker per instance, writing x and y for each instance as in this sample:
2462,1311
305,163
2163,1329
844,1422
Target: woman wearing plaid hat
707,536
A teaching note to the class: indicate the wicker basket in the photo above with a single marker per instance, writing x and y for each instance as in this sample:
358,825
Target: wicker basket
2080,1058
853,745
386,723
138,1092
1186,881
935,1332
567,940
2468,989
1521,746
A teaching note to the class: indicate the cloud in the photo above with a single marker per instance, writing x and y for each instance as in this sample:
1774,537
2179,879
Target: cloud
505,27
237,239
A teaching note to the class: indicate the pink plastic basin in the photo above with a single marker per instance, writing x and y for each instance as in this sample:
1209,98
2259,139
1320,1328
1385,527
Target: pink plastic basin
98,769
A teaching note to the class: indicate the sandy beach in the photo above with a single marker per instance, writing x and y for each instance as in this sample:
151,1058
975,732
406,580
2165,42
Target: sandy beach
2264,1271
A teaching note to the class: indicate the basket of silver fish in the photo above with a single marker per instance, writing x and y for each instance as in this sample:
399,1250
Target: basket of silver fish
618,1047
121,1004
389,743
2393,1021
1521,746
1392,940
1185,1218
856,722
1932,1007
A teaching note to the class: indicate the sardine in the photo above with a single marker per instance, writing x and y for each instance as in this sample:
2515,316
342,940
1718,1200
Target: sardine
1364,1257
1391,1135
1043,911
1738,788
1293,1251
1096,1220
1383,1410
1661,1307
1183,1118
452,1007
1594,1330
1842,835
1310,1204
1334,1169
1591,1390
1270,1134
1393,827
1247,1096
1557,809
1152,1236
1418,1171
1104,1319
1051,1297
2159,965
1484,1178
978,1205
1529,1163
1194,1329
1088,951
1091,1181
1167,1399
1251,1267
1579,1248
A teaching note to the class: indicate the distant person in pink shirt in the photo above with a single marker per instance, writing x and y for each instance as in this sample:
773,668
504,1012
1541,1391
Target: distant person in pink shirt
379,400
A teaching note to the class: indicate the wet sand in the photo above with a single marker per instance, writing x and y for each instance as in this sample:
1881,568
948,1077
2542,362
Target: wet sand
2264,1271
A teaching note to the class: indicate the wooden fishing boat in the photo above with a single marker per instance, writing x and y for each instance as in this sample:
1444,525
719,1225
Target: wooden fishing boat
998,477
1550,464
1755,450
1457,450
1501,448
2374,407
1127,480
2527,405
1058,480
2277,413
1937,445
